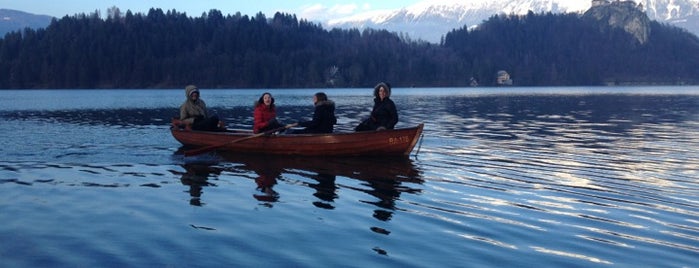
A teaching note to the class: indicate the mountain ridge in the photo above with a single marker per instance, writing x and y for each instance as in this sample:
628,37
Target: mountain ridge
13,20
430,21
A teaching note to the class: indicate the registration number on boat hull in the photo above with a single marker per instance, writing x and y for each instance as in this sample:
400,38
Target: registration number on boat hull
397,140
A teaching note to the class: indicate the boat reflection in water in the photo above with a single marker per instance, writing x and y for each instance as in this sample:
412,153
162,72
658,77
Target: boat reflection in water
384,178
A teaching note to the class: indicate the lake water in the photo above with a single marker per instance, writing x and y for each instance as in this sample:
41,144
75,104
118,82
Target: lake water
512,177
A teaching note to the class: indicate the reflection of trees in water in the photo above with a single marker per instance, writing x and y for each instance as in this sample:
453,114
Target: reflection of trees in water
508,115
101,117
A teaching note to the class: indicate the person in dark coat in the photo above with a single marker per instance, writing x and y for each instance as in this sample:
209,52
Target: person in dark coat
323,116
384,115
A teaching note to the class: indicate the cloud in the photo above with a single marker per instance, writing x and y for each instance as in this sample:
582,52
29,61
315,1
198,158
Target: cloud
343,9
312,9
323,12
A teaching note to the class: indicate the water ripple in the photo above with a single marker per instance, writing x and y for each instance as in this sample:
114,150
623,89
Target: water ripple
501,180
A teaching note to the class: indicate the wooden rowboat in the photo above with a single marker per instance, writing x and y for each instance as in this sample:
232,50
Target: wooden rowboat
394,142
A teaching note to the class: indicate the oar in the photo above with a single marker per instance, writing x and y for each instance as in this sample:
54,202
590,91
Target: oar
214,147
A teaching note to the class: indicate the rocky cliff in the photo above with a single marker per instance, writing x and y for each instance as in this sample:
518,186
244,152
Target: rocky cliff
624,15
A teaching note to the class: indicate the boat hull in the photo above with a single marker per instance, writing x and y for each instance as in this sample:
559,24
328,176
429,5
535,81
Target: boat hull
385,142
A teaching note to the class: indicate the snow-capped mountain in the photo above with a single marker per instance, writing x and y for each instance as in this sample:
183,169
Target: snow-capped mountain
682,13
429,20
13,20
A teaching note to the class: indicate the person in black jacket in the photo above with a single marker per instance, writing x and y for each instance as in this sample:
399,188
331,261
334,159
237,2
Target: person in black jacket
323,116
384,115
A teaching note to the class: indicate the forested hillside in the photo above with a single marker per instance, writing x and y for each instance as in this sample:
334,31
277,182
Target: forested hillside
563,49
170,49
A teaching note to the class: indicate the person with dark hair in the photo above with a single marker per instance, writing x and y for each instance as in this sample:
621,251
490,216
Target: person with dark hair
194,115
323,116
384,115
265,114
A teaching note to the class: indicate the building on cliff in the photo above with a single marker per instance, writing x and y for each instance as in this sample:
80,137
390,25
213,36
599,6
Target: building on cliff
596,3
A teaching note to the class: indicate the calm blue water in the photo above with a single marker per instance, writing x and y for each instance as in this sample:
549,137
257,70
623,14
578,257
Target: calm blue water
517,177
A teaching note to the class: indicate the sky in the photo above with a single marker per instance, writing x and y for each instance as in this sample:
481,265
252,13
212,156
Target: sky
307,9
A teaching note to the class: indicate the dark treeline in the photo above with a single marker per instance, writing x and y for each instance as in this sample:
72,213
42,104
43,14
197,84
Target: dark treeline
169,50
565,49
